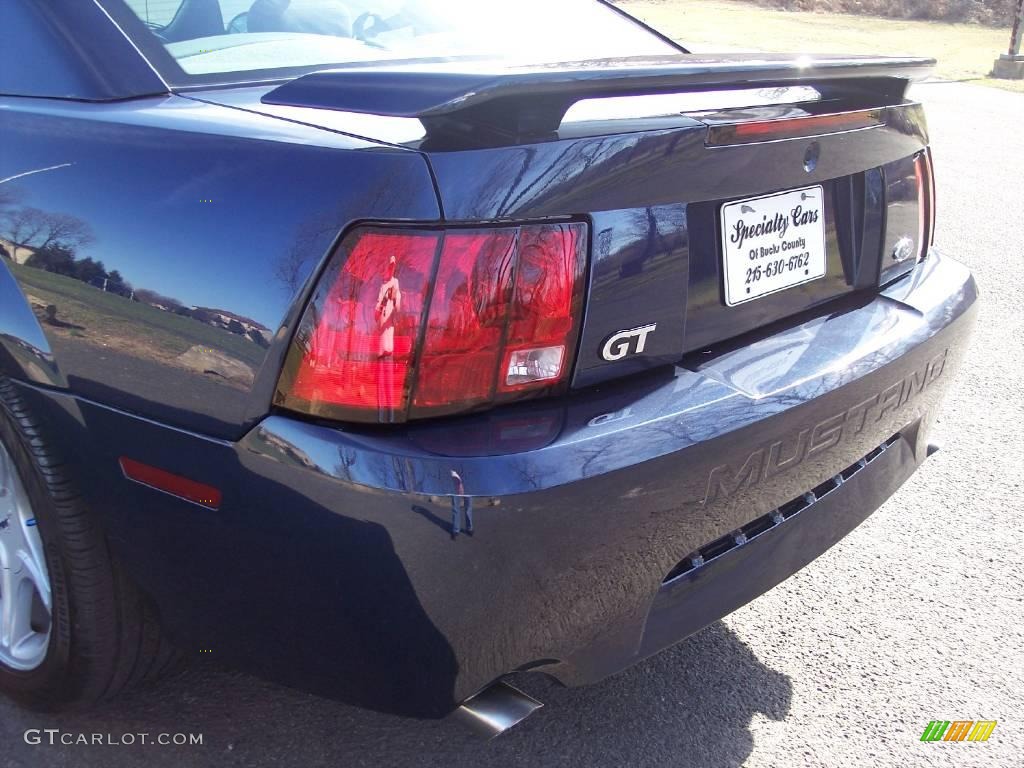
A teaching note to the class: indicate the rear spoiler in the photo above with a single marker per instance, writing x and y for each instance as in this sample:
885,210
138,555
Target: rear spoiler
535,100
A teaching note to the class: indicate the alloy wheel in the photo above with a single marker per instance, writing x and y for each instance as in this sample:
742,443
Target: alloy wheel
25,597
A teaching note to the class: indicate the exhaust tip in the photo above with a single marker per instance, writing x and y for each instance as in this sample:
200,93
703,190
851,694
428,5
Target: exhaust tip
496,709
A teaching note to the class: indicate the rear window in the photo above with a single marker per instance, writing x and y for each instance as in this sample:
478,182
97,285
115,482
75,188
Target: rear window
204,41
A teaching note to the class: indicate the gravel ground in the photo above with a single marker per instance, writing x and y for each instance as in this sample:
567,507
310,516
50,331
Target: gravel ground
916,616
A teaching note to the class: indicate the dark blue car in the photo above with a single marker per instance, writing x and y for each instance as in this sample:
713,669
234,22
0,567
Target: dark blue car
391,347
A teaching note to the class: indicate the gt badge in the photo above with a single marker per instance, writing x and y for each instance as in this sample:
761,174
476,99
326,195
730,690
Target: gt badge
631,342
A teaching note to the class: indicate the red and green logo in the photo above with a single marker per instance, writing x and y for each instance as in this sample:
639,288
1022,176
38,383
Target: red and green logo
958,730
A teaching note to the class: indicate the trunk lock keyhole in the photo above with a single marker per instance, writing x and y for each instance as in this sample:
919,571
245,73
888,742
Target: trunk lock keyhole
811,157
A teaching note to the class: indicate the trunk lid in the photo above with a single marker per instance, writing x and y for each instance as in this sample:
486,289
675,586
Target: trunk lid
652,153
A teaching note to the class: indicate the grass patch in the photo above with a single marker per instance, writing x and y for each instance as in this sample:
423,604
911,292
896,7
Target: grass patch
108,319
965,51
993,12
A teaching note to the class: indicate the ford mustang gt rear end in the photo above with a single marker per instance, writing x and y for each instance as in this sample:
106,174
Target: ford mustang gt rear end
391,348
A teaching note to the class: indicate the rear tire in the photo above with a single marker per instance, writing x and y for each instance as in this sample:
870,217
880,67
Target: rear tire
103,634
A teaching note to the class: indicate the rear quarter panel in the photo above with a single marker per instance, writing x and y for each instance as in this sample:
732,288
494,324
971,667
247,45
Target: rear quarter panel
217,219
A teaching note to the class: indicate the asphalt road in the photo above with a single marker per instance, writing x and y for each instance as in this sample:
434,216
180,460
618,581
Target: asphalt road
916,616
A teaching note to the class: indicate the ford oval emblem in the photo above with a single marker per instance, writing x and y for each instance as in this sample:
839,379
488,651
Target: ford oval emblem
904,249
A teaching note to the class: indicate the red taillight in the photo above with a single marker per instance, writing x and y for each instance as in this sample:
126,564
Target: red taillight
357,337
546,305
753,131
466,324
925,200
408,324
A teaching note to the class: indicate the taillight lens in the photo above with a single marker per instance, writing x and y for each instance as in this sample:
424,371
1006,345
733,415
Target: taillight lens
467,320
354,347
925,200
909,215
409,324
754,131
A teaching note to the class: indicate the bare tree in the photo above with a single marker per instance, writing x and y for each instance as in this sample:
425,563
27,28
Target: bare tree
9,196
35,230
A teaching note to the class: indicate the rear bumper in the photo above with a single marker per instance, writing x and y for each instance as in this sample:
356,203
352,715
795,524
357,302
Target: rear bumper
333,563
742,565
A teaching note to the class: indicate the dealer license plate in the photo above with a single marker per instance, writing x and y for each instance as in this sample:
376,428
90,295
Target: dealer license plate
772,243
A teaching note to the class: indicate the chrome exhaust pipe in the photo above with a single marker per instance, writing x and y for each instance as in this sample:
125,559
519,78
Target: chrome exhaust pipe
496,709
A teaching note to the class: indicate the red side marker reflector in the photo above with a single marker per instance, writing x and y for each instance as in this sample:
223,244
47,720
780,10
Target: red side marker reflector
176,485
